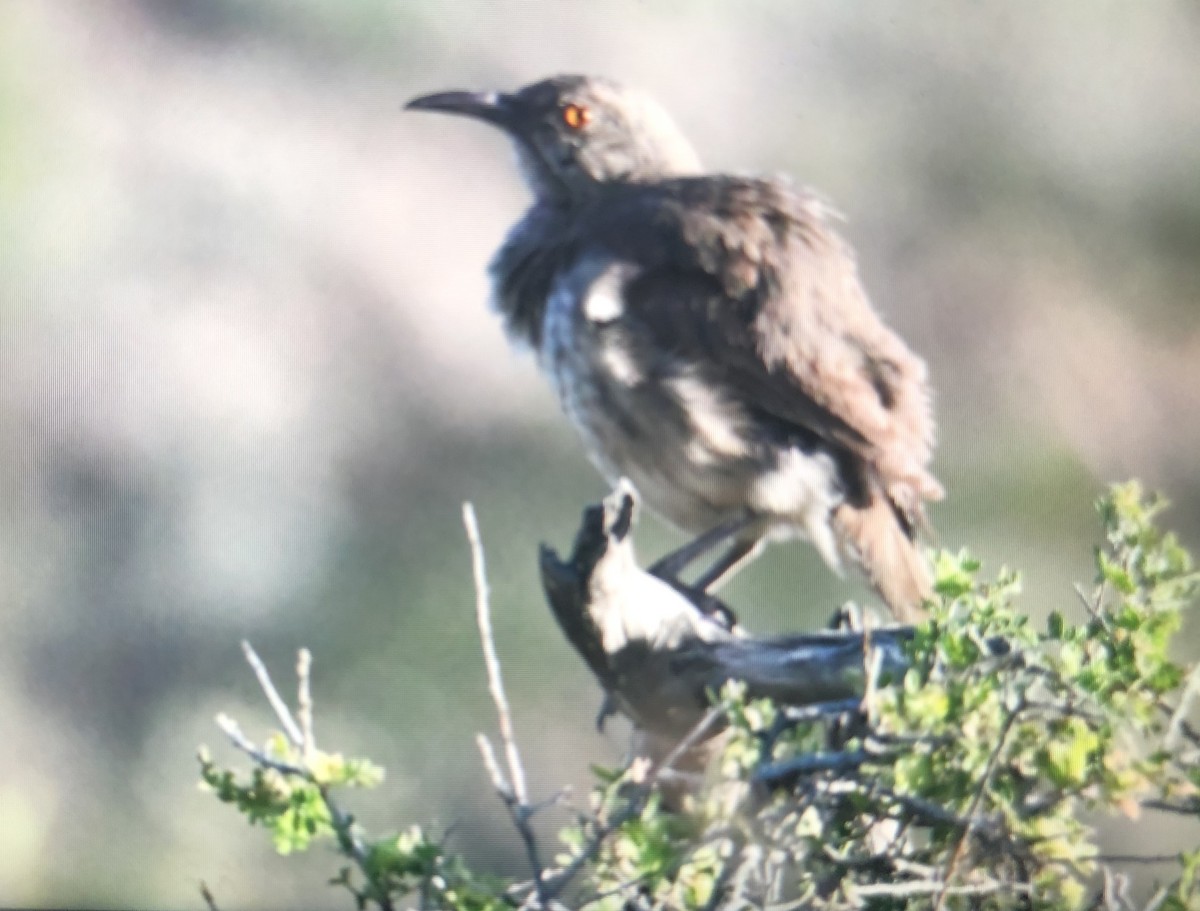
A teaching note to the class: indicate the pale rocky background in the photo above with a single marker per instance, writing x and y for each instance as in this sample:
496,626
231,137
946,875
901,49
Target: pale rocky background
247,372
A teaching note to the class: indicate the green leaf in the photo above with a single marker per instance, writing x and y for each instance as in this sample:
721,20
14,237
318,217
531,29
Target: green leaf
1056,625
1114,574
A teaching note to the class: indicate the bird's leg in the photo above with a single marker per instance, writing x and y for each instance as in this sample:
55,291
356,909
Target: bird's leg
726,566
608,708
670,566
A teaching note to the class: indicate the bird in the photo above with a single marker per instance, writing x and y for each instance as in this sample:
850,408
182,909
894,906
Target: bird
660,654
710,338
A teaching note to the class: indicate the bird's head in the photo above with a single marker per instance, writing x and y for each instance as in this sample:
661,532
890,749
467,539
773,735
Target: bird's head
573,134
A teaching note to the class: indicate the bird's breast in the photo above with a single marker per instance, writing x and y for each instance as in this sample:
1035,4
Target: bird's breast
694,452
601,381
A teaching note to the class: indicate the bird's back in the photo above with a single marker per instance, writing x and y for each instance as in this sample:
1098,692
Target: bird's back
747,279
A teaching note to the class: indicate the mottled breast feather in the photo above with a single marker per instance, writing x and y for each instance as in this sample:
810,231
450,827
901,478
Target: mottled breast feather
525,268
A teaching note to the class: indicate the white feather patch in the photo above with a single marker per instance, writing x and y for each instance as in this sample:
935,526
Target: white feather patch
604,301
603,306
619,362
716,422
801,487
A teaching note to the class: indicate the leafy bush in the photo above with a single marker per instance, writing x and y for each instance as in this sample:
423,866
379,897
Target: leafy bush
972,781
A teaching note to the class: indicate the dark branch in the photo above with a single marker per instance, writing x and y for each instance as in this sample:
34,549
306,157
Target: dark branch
659,651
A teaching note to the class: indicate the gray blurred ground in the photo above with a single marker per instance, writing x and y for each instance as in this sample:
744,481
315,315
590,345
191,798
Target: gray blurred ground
247,374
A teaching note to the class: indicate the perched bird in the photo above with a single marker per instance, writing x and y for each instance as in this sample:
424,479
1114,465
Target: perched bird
709,337
660,655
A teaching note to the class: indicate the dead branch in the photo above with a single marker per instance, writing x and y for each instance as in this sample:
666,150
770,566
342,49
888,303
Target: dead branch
660,651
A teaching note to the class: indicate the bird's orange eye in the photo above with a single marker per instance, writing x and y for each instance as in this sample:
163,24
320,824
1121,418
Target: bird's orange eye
576,116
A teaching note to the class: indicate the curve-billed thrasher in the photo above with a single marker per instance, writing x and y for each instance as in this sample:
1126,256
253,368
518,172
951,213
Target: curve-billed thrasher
709,337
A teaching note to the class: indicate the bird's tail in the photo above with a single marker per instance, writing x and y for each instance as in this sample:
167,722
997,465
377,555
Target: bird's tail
881,542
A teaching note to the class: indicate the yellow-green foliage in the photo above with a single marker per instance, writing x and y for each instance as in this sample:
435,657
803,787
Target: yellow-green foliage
971,782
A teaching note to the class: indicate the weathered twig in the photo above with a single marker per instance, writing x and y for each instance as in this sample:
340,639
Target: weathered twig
960,847
1157,899
492,765
1115,891
1137,858
702,729
210,901
519,813
938,887
1182,807
615,890
727,873
304,705
557,881
561,878
589,640
290,729
775,773
798,714
511,789
491,661
1176,727
660,653
872,659
233,731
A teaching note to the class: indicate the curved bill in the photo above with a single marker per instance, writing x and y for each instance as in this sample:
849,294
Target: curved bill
492,107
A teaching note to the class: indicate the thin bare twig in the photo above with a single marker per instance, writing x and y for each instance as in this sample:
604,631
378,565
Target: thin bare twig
818,710
808,763
989,769
282,712
927,810
1115,892
491,661
1157,899
304,705
499,782
1183,807
512,789
615,890
562,877
1179,716
1184,729
726,874
1095,604
693,737
872,667
341,822
751,861
932,886
519,812
206,894
234,732
1137,858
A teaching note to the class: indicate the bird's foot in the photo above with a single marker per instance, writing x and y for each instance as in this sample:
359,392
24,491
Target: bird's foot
608,708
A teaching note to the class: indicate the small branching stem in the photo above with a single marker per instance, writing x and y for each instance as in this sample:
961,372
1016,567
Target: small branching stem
300,736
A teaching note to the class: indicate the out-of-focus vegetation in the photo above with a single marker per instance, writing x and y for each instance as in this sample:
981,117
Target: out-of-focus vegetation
247,373
969,779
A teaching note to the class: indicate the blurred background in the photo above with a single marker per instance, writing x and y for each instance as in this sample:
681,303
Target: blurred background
248,374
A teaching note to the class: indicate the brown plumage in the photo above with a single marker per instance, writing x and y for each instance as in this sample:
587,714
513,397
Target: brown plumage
710,338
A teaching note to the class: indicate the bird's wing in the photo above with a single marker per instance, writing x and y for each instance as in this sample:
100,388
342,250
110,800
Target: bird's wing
748,275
